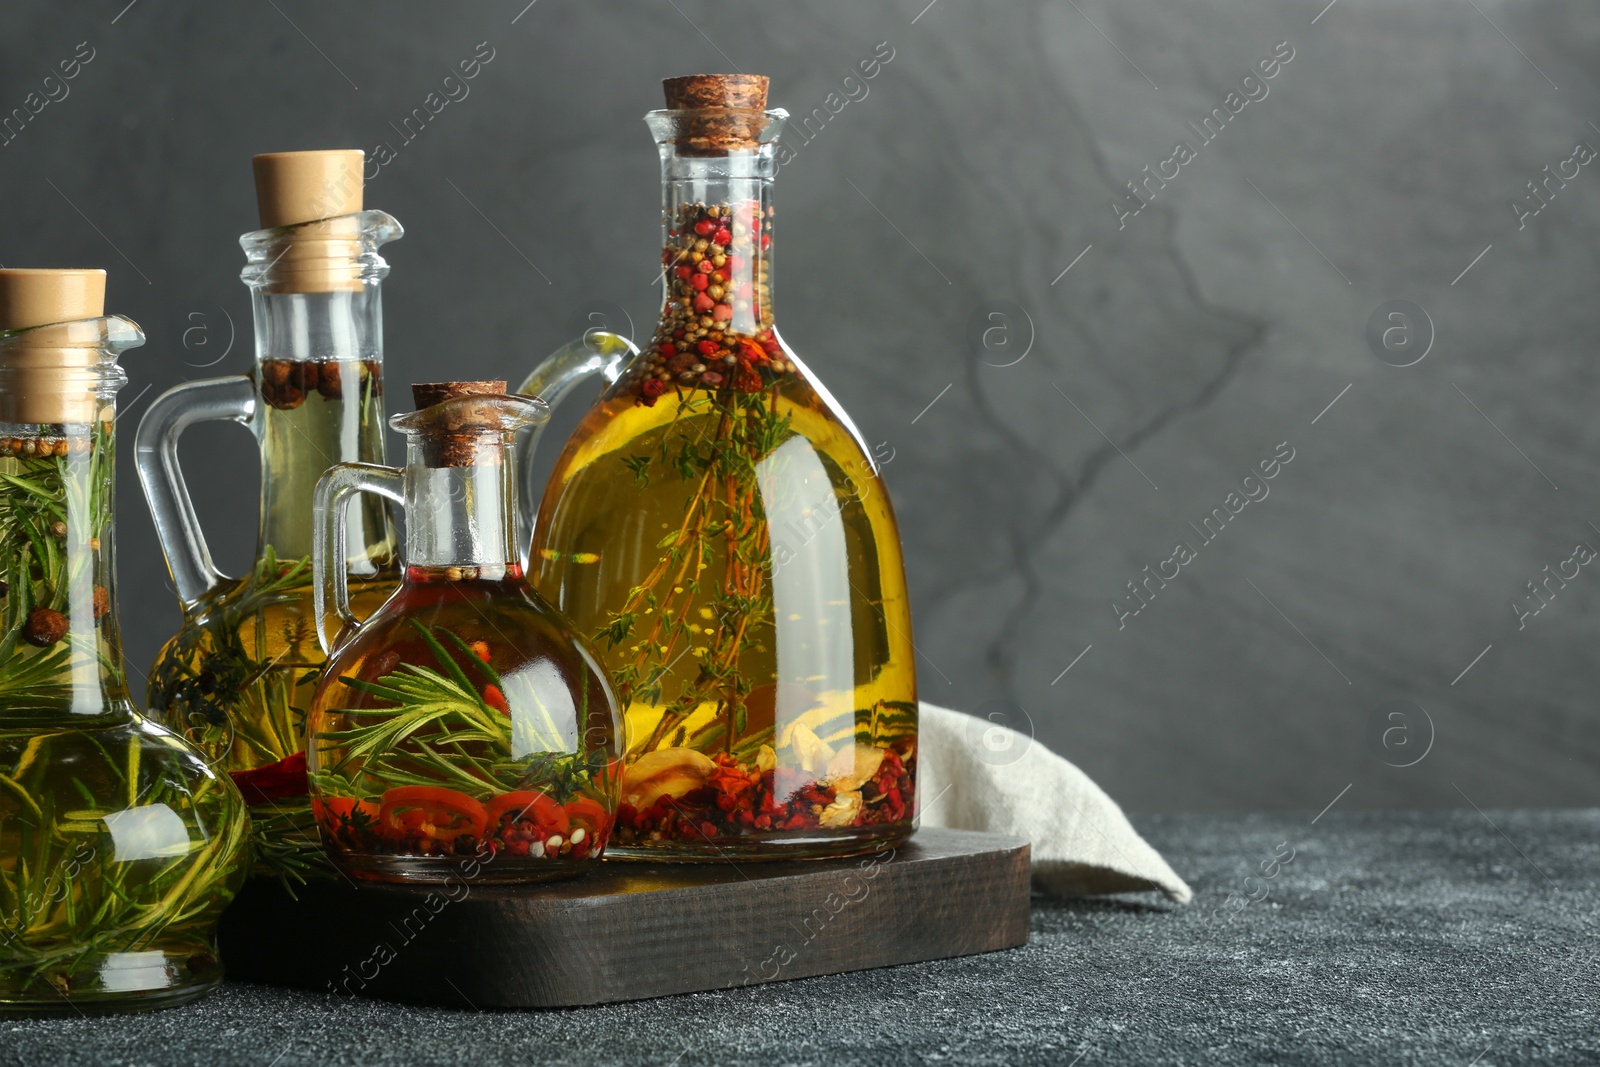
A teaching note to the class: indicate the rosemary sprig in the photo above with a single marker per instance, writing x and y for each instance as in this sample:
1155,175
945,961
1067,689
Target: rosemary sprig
44,501
224,694
435,727
67,897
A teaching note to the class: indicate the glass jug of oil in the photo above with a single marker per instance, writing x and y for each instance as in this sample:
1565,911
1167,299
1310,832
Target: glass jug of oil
238,676
464,730
119,847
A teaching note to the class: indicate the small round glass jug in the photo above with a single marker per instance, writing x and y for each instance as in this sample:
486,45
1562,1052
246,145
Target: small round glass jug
464,730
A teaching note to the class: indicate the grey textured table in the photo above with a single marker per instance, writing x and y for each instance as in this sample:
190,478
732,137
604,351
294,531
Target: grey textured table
1438,938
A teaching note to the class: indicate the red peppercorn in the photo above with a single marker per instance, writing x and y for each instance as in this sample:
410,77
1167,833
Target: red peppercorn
705,266
766,241
707,348
683,272
702,302
704,227
722,312
669,349
722,237
699,281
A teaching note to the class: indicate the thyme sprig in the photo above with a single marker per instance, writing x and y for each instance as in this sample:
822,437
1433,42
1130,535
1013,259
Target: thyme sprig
724,512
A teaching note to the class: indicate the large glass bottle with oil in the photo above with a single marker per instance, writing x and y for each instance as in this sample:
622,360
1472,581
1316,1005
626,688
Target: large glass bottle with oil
716,525
119,847
238,677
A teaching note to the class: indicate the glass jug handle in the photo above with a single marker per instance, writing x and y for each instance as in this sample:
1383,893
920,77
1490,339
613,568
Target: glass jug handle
596,352
331,515
156,457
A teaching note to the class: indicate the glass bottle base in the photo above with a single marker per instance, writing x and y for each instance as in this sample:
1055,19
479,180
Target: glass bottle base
121,982
458,870
755,848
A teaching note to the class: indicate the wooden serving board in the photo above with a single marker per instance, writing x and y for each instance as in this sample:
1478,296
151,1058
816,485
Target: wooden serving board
635,930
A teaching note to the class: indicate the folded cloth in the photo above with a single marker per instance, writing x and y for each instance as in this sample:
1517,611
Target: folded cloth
981,775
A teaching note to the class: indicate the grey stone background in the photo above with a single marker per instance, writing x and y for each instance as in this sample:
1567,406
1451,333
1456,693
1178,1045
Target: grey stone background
1043,457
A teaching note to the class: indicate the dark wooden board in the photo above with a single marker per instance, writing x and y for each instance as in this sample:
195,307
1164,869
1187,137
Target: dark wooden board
635,930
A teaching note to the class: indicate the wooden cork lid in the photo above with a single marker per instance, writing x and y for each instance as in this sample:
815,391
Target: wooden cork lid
298,187
427,394
453,439
741,97
301,188
49,376
745,91
31,298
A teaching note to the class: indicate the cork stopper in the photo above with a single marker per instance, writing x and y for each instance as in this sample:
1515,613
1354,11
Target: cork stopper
729,111
453,439
298,187
428,394
49,377
316,193
31,298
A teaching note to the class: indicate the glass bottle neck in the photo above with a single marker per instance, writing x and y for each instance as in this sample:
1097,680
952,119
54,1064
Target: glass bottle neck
58,502
319,379
461,519
319,326
717,243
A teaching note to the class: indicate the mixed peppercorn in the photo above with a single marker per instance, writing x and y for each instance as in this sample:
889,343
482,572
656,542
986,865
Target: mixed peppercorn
737,800
427,820
42,447
716,324
285,383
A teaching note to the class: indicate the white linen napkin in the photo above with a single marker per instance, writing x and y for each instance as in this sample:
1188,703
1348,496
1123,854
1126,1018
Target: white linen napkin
980,775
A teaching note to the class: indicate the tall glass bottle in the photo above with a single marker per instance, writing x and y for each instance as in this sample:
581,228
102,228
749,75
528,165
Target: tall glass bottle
119,847
716,524
464,731
238,677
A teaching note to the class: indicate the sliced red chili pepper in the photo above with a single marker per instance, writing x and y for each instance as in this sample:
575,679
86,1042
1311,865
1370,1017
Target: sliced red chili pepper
496,699
285,778
431,812
527,805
